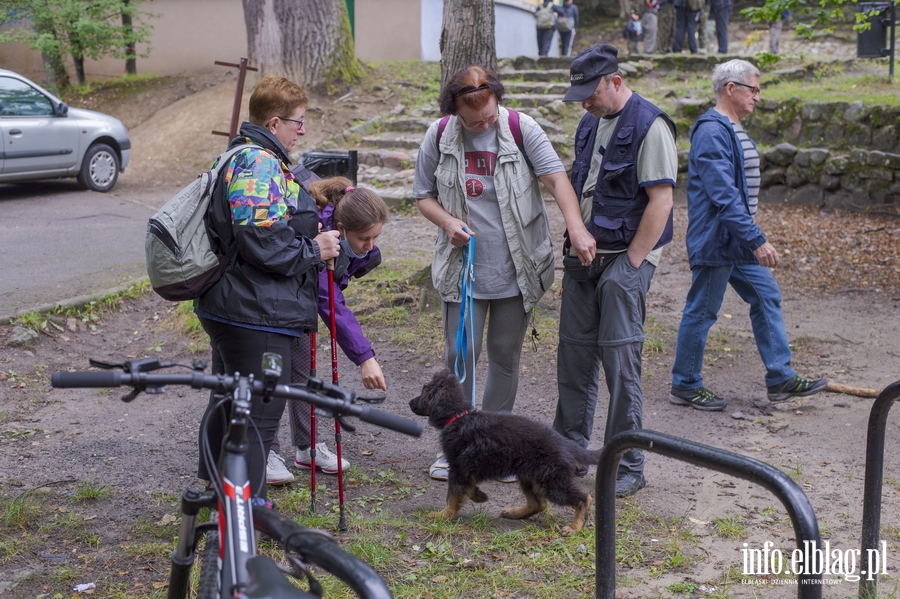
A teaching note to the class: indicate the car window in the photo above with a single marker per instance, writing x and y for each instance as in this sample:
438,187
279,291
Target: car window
17,98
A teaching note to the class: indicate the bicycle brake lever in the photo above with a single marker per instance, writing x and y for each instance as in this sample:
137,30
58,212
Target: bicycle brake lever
104,365
131,395
344,424
371,399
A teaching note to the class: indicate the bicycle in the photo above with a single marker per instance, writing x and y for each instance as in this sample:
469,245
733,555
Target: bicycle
236,570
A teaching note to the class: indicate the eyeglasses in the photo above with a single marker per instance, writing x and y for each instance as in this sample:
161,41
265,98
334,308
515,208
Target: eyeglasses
754,91
299,123
488,121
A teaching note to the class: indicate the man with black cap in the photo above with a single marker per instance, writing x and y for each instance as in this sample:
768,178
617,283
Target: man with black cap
623,174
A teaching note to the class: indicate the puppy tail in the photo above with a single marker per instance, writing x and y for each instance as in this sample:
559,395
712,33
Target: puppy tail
585,456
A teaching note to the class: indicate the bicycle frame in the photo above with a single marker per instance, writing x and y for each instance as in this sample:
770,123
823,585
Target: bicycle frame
231,498
239,571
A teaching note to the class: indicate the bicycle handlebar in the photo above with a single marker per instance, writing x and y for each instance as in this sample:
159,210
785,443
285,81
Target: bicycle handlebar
331,398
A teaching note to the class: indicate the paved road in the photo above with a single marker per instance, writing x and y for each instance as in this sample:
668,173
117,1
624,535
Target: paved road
58,242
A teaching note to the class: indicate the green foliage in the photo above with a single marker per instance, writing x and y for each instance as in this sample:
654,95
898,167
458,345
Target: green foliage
731,527
86,492
417,82
811,19
18,513
81,28
89,314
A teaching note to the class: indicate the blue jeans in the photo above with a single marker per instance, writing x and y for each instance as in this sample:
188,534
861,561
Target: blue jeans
756,286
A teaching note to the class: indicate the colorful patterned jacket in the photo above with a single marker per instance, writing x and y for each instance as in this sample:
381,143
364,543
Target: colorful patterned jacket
258,205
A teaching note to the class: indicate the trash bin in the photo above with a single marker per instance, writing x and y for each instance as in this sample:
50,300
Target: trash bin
872,43
326,164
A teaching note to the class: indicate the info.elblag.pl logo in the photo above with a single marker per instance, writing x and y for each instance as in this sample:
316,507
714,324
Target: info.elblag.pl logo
810,559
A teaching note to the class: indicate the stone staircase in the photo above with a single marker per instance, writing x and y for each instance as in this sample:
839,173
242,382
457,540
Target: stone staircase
387,145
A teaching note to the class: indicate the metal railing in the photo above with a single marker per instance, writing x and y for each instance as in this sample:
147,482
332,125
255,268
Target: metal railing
868,585
798,507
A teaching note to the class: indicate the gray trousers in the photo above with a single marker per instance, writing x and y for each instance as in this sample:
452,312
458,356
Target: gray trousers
300,413
601,322
650,25
505,336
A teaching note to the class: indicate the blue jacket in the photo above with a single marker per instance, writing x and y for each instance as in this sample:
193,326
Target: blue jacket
349,332
720,229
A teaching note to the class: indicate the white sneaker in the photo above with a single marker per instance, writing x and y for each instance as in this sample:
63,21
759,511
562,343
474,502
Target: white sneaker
276,472
440,470
325,460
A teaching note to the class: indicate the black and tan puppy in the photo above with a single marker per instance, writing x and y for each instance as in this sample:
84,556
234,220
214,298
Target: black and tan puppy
483,446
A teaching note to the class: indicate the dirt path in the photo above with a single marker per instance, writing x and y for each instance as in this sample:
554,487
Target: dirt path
56,442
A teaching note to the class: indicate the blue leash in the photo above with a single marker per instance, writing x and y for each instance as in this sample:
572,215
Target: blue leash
466,316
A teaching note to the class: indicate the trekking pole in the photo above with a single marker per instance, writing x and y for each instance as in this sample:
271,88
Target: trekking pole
342,522
312,428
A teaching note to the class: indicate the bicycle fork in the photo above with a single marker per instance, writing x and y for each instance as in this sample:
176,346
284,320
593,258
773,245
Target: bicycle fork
183,556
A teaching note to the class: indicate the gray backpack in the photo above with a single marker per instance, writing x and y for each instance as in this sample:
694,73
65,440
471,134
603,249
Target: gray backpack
544,17
181,261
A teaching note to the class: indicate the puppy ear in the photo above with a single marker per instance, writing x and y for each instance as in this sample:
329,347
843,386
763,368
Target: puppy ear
440,375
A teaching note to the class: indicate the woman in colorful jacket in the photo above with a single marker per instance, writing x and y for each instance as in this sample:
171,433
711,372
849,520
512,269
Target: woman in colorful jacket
477,176
268,294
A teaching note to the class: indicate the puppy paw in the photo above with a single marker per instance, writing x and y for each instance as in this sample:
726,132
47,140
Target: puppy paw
568,531
446,513
479,496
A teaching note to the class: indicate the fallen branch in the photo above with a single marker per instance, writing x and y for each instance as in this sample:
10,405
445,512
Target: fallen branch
858,391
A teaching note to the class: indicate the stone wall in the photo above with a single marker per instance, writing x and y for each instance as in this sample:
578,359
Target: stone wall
834,154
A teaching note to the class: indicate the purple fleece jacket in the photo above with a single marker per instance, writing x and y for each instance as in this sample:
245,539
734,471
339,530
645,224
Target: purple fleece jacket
349,332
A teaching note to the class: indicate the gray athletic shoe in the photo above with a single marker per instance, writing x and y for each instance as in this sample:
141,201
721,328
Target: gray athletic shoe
700,398
796,386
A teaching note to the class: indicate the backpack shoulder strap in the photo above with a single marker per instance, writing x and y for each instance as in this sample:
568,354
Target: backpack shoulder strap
440,131
516,130
212,174
213,178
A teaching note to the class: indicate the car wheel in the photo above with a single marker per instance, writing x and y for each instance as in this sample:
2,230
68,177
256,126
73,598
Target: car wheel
99,169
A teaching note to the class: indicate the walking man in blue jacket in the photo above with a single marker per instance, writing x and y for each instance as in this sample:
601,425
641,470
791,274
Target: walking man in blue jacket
725,246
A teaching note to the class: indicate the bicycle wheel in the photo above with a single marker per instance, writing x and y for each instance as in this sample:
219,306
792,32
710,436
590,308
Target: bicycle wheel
208,587
320,549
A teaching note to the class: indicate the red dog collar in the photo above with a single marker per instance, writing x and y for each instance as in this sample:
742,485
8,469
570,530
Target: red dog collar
456,417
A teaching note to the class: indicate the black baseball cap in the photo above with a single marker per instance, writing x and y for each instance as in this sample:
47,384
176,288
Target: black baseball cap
587,68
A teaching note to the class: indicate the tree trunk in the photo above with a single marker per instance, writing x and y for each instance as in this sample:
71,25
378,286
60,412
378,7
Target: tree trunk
130,51
55,69
79,69
467,36
307,42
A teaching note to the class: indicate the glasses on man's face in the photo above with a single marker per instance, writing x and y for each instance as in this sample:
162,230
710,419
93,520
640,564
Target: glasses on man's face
488,121
754,91
295,121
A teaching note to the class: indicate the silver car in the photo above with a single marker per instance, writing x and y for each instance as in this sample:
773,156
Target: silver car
42,138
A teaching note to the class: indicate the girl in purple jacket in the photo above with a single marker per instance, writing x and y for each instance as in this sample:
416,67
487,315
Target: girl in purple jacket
359,216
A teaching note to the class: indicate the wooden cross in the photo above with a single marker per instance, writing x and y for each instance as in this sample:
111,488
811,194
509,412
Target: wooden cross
238,93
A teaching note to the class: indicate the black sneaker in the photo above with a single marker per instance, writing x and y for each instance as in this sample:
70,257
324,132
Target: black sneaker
581,470
629,483
796,386
700,398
